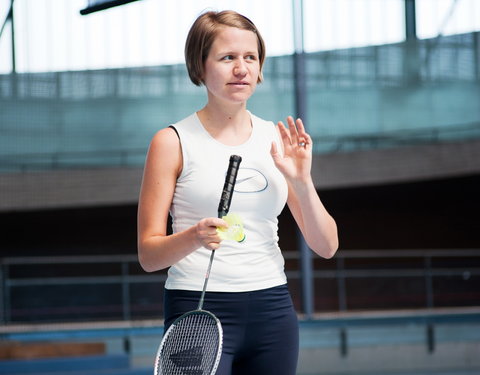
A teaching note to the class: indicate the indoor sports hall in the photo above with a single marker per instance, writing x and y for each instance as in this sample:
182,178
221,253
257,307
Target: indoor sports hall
389,91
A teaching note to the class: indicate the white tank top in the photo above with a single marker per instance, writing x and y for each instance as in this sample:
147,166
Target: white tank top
260,195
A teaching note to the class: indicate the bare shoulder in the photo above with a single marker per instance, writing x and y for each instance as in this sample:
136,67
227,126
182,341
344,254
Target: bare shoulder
165,150
166,137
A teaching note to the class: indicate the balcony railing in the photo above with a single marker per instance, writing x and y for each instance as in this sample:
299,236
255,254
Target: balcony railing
95,288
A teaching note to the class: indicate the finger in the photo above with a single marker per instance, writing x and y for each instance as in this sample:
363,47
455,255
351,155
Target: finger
284,133
214,241
274,153
300,128
221,224
211,240
308,141
273,149
292,127
213,246
304,139
214,222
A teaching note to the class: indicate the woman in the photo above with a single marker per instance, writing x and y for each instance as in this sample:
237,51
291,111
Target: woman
183,177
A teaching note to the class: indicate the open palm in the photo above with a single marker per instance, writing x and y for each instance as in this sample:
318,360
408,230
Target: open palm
296,161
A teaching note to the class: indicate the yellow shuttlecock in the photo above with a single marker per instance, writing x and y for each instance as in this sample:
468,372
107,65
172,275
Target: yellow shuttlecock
234,231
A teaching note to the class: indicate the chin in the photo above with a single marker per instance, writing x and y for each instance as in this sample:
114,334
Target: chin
240,98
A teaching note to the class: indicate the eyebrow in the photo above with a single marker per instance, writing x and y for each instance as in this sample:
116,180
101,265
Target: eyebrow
236,53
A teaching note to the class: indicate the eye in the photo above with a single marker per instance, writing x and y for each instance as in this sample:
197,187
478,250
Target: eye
227,57
251,57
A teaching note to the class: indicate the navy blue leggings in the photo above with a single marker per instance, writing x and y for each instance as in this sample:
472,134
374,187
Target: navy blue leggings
260,328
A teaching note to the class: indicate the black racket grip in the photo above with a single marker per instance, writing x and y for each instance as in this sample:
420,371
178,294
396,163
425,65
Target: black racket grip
230,179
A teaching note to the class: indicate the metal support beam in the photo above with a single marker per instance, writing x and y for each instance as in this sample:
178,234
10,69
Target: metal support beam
411,57
476,54
301,111
410,20
14,60
9,18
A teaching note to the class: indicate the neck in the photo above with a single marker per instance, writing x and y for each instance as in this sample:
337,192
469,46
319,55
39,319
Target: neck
229,125
222,116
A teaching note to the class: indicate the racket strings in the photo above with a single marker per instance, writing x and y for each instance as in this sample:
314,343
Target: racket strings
192,346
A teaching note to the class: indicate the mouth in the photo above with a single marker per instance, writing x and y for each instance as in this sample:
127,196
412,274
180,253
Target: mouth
239,83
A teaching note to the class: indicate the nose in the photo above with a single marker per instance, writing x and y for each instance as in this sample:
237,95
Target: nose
240,67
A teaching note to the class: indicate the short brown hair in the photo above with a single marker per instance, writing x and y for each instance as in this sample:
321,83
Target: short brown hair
203,33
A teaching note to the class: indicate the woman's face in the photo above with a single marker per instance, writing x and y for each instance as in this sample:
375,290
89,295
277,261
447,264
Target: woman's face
232,66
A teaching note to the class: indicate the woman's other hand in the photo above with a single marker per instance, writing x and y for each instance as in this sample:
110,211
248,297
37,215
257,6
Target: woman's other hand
296,161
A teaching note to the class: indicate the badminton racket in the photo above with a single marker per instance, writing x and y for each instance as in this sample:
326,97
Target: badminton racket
192,345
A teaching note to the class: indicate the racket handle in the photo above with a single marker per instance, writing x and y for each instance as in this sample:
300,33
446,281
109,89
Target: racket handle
230,179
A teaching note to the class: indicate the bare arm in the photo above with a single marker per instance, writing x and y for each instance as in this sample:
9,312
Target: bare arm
156,249
315,223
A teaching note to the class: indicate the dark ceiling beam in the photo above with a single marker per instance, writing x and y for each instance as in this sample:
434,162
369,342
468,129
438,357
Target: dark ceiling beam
96,6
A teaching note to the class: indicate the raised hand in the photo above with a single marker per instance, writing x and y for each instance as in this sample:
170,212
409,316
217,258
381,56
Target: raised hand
296,161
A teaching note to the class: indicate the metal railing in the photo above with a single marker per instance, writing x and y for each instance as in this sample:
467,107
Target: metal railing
79,288
135,157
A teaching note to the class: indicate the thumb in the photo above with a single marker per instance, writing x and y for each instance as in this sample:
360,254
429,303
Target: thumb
274,152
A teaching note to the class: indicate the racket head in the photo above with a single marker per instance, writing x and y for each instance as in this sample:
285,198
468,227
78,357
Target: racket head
192,345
